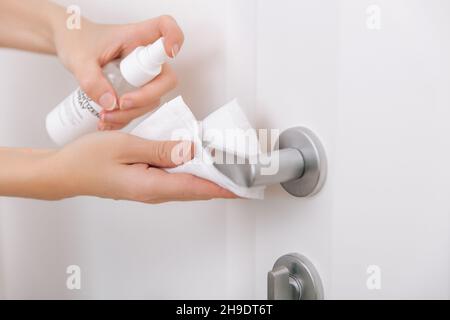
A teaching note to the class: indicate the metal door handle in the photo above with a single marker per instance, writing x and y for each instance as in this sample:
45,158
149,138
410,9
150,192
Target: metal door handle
300,159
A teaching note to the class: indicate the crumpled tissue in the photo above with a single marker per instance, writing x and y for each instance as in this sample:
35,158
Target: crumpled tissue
226,130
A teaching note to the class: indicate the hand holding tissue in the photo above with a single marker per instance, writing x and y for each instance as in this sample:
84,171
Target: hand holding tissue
226,130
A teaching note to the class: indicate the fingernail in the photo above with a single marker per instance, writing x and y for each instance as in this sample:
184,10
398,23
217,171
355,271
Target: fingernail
175,50
107,101
182,152
126,104
100,126
105,127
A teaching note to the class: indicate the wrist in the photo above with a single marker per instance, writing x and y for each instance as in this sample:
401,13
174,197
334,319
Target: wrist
56,22
68,39
52,176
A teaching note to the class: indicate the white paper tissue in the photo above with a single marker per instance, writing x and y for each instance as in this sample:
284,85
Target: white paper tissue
226,129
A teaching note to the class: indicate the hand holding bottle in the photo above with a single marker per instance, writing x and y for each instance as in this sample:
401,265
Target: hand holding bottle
87,50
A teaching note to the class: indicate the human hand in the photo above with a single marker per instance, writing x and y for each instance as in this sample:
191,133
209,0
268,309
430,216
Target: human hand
121,166
86,50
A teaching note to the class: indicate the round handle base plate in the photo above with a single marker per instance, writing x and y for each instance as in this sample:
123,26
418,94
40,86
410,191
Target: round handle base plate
303,271
315,170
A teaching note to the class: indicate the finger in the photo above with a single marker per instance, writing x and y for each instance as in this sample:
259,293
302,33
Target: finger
125,116
101,126
161,154
152,91
95,85
184,187
151,30
173,35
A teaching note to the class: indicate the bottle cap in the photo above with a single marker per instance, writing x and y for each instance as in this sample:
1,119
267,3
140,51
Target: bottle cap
144,63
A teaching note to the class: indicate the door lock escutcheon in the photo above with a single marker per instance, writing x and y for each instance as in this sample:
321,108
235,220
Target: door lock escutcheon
294,277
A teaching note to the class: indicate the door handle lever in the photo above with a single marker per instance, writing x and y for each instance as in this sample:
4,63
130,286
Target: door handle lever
300,161
283,286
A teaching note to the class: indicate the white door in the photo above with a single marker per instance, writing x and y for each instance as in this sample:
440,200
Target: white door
371,78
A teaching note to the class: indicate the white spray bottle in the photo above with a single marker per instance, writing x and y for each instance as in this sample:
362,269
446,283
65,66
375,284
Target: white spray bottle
78,114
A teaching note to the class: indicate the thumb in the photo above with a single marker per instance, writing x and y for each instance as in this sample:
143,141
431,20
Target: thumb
172,33
162,154
96,86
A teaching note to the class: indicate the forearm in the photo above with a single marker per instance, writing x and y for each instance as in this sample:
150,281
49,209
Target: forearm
29,173
30,24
